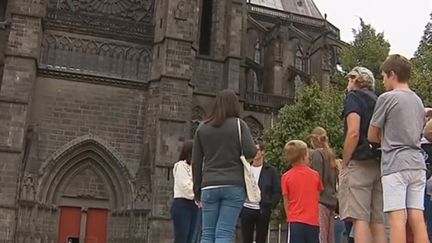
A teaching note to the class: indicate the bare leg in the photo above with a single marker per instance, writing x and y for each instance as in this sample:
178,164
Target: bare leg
397,221
378,233
418,225
362,232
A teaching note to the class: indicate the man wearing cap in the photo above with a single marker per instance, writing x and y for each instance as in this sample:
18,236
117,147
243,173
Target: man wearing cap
360,190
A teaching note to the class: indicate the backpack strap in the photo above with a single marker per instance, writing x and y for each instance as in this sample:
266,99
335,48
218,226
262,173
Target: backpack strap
321,152
240,135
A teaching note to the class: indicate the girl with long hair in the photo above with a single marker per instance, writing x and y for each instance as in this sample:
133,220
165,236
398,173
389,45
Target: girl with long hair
218,178
184,211
324,161
255,217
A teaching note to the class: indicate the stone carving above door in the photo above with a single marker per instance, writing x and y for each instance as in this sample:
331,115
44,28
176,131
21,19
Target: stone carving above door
28,190
135,10
107,17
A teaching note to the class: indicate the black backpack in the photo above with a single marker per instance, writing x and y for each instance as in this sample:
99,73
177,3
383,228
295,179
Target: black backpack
427,153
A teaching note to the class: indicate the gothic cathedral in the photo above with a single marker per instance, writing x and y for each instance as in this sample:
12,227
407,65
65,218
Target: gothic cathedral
96,97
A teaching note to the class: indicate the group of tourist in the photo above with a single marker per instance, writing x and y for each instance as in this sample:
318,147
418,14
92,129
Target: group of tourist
382,171
395,122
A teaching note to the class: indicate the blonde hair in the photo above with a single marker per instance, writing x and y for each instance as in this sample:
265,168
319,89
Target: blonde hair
339,164
319,140
363,77
295,151
363,82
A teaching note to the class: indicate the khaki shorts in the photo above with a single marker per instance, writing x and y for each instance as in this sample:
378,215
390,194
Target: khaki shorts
360,192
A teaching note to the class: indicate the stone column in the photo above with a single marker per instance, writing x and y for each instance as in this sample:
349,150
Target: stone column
20,70
169,105
326,68
277,67
236,10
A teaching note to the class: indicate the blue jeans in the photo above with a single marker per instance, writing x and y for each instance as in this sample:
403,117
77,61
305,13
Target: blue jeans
339,230
197,237
221,208
428,215
303,233
348,228
184,214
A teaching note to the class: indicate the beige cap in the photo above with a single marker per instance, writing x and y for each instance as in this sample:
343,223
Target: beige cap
362,72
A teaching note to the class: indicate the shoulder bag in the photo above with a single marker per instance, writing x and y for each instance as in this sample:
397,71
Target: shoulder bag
252,190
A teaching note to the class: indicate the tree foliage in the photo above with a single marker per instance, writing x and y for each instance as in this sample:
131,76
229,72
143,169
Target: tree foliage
313,107
422,66
368,49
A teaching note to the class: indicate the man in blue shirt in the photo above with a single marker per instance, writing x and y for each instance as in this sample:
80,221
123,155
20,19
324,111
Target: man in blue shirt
360,190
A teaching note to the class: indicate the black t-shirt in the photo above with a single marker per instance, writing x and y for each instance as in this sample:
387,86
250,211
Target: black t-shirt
361,102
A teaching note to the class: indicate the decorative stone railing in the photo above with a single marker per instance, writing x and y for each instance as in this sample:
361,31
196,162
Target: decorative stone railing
95,56
292,17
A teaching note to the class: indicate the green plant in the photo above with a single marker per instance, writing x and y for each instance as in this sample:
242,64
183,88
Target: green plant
314,107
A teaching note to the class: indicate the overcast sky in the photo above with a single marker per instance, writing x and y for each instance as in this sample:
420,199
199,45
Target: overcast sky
402,21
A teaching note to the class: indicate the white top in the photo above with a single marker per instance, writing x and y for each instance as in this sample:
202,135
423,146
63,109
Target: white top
183,185
214,187
256,171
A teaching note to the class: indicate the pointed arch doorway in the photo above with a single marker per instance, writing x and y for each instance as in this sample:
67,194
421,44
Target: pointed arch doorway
87,182
84,203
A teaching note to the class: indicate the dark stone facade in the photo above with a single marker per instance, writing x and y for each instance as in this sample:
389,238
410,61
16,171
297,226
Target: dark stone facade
96,98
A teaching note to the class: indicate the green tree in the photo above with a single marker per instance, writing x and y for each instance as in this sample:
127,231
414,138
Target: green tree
422,66
314,107
368,49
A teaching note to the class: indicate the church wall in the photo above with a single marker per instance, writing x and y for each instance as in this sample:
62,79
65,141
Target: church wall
205,104
64,110
219,29
66,114
316,67
269,82
3,41
207,75
9,164
204,101
264,119
22,45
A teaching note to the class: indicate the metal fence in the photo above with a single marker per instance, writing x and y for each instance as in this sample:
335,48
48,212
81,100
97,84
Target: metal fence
276,234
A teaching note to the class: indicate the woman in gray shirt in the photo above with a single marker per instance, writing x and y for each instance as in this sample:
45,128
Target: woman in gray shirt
217,171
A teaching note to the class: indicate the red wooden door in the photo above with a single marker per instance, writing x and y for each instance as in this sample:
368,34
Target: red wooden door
96,229
70,222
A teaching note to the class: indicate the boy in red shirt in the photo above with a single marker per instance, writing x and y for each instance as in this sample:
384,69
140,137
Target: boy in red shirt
301,187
